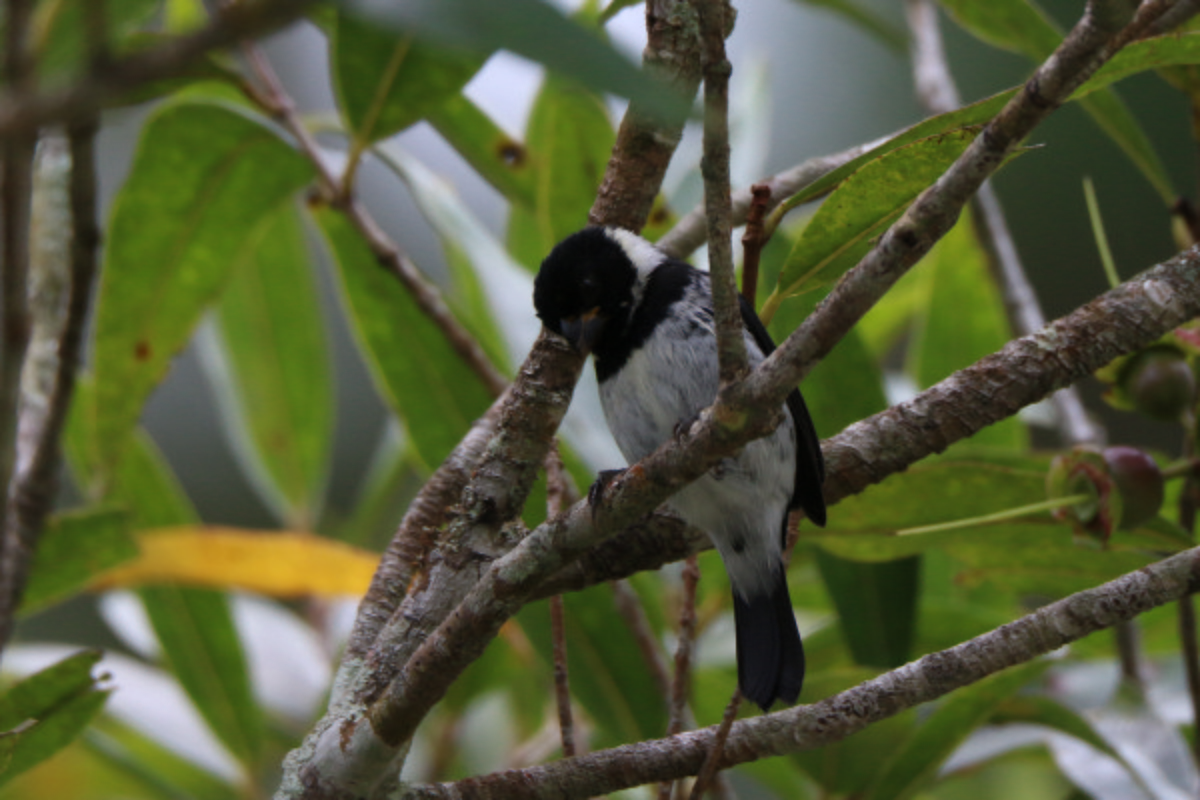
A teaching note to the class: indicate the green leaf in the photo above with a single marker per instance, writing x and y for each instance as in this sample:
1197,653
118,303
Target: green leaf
914,766
201,646
162,772
1037,710
963,321
499,159
143,486
272,368
204,175
1020,26
74,548
608,675
570,137
936,490
861,208
867,20
386,81
538,31
46,711
416,370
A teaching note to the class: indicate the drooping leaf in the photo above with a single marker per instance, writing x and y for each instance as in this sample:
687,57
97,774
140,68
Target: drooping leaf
1147,54
72,550
1022,27
608,675
156,767
570,137
536,30
867,20
963,321
267,562
387,80
912,767
1038,710
270,366
861,208
415,369
46,711
204,175
499,159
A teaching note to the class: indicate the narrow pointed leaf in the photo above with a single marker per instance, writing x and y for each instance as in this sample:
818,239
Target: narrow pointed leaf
46,711
386,80
417,372
1022,27
570,136
842,230
267,562
536,30
204,175
272,372
499,159
866,19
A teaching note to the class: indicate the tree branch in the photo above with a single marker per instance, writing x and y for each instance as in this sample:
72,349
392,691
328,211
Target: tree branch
1122,320
715,23
835,718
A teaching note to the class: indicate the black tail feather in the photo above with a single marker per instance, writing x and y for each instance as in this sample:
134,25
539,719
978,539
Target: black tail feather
770,657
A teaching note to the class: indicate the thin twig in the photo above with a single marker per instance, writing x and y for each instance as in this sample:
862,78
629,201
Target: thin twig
681,684
717,751
16,168
629,606
275,100
753,240
715,24
556,493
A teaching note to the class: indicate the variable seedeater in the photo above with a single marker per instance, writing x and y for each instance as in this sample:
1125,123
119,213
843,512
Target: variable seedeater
648,321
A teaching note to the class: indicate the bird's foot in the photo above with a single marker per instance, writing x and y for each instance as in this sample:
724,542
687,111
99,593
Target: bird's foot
597,490
684,425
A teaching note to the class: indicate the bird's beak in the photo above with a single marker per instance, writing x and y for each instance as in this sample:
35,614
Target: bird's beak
582,331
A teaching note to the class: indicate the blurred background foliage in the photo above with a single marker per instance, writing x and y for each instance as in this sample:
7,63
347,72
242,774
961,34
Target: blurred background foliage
262,400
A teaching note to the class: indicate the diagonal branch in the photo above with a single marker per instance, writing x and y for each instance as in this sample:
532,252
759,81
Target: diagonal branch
1122,320
835,718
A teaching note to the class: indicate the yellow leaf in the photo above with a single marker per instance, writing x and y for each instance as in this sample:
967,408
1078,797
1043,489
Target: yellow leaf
280,564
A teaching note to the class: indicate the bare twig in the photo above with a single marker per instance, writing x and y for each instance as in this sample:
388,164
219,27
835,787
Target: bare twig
275,100
753,240
716,22
681,686
716,754
556,492
835,718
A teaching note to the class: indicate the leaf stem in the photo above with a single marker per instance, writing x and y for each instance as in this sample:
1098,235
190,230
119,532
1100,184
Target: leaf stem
1000,516
1106,257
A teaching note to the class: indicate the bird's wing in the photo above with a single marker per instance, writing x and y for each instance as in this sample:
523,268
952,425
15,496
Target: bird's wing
810,464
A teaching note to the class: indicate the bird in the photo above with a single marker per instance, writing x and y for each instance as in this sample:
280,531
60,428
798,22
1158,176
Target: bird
647,320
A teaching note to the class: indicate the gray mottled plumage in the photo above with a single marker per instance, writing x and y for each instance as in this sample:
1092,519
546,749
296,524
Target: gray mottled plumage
648,320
